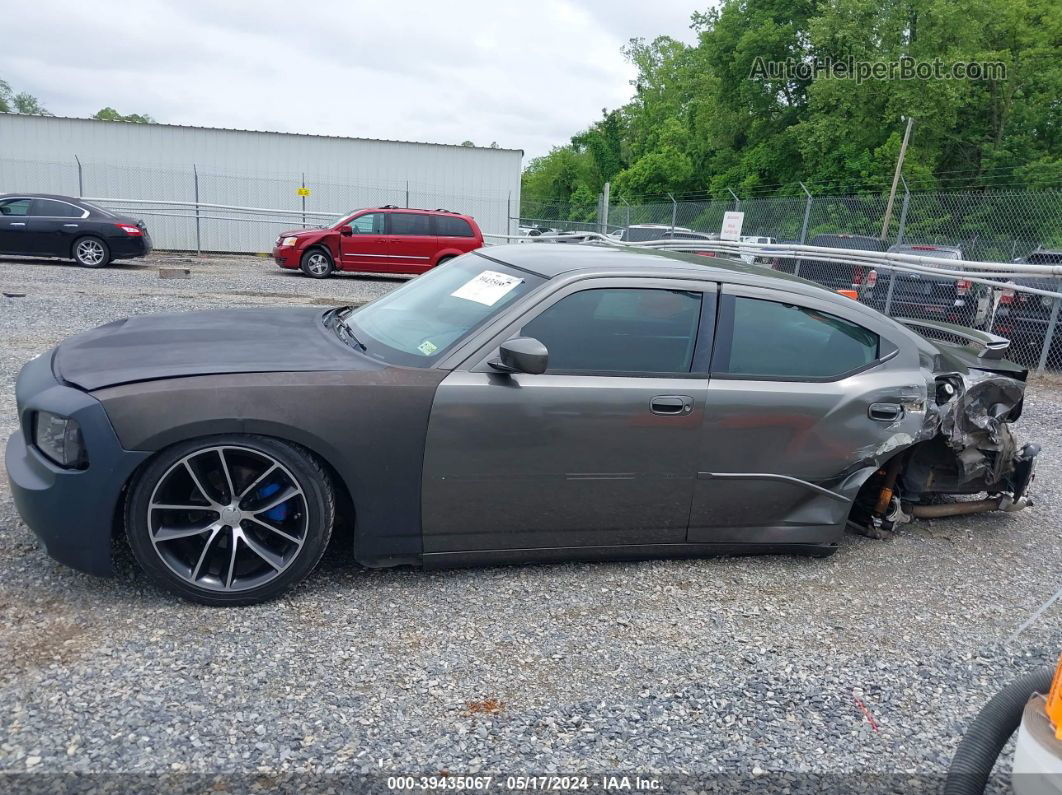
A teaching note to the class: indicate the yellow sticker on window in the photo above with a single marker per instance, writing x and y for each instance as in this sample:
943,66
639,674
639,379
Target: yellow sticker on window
427,347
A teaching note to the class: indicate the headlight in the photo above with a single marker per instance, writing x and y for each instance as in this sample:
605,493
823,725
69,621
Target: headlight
288,241
59,438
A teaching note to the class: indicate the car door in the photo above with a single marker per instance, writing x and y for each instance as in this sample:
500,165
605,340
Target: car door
412,241
15,235
599,450
804,402
54,225
366,248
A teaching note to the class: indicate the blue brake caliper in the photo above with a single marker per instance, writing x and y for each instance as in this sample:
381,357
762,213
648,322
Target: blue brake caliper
280,512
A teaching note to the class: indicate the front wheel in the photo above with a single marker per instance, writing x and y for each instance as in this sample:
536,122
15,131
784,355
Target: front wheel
317,264
91,252
230,520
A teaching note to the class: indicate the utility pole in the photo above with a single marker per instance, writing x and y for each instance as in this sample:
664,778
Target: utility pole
896,178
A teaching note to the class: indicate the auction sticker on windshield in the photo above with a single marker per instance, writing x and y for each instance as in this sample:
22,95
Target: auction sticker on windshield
487,288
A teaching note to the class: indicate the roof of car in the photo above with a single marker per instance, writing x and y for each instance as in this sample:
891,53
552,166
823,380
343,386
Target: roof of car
41,196
552,260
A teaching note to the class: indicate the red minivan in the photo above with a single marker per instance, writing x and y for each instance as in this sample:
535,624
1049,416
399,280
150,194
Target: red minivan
386,239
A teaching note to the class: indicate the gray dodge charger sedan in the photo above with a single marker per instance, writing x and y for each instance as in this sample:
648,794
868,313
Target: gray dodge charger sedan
519,403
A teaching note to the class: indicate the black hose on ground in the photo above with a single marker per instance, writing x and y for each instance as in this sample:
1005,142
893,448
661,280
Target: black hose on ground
984,740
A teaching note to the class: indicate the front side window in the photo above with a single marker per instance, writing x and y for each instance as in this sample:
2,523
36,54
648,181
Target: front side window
15,206
777,340
367,224
622,330
417,323
410,224
53,209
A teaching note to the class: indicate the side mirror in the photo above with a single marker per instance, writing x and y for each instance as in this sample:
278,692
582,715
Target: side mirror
346,230
522,355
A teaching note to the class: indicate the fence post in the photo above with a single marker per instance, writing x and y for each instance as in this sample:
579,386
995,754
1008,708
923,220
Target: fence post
303,197
1052,329
804,228
903,211
407,193
509,214
674,212
80,179
198,238
737,201
603,216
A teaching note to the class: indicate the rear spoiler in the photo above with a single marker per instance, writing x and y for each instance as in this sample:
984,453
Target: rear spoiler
991,346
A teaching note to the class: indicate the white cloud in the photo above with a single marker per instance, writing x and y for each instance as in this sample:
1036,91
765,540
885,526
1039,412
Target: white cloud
525,75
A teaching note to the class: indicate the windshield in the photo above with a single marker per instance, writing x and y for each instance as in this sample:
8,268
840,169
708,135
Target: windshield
420,321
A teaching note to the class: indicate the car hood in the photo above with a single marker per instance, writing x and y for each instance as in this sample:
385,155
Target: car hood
298,232
150,347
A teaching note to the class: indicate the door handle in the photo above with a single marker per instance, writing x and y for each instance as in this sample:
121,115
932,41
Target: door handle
671,404
885,412
73,225
17,223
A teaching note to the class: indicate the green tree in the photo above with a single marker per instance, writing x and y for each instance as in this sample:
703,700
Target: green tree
22,102
110,114
707,117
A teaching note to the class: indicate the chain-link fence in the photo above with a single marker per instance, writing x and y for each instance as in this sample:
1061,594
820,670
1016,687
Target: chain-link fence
1005,227
200,209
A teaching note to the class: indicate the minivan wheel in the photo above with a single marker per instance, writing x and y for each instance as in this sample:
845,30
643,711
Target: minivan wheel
317,263
230,520
91,252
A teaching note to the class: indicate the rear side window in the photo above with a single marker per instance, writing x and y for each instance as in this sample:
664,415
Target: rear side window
631,331
410,224
54,209
783,341
446,226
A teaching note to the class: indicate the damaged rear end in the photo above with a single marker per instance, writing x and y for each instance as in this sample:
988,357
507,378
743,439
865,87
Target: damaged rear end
966,446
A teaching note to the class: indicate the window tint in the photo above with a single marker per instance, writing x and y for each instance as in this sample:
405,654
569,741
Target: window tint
774,340
456,227
54,209
410,224
368,224
15,207
620,331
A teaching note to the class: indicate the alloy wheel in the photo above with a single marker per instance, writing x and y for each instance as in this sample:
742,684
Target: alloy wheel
317,264
90,252
227,518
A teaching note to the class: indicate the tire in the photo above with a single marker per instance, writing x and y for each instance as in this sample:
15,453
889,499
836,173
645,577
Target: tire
231,542
91,252
317,263
444,260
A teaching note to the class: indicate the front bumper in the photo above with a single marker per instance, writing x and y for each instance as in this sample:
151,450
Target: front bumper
71,511
285,257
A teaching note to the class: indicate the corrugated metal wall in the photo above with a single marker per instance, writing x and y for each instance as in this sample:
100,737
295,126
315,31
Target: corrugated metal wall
125,161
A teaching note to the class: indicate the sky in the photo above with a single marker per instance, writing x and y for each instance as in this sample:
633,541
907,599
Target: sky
526,75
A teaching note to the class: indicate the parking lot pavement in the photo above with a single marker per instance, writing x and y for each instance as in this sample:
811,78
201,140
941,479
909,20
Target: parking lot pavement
705,666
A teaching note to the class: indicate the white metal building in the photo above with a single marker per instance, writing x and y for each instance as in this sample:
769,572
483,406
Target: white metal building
127,162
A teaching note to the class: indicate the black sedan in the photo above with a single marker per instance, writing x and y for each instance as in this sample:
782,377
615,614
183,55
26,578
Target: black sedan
43,225
519,403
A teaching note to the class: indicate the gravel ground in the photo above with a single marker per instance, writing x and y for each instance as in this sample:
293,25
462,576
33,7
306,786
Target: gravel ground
740,666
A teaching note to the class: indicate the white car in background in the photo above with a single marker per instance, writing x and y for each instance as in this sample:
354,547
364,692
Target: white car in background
755,240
